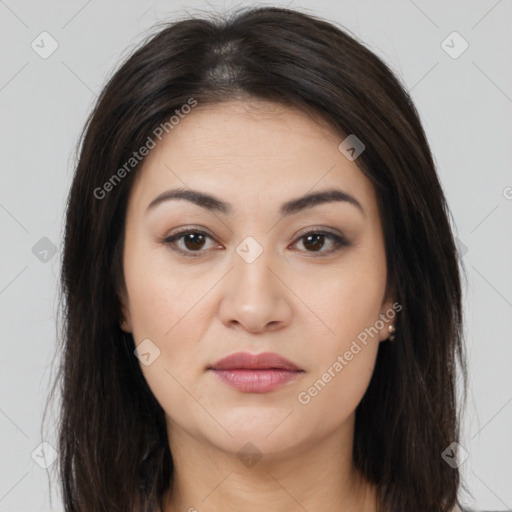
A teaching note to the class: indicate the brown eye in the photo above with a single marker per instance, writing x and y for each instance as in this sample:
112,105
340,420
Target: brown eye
193,241
314,241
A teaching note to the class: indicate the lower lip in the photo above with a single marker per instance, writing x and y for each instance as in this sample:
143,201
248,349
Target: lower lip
257,381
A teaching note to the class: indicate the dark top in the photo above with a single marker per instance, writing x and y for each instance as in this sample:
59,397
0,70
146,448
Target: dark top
472,510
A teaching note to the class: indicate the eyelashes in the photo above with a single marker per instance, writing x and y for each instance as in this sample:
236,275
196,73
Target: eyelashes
193,239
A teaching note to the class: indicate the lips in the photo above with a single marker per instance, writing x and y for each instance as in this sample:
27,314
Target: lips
246,361
255,373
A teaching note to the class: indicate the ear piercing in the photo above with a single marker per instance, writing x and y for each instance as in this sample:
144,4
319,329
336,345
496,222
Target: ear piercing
392,331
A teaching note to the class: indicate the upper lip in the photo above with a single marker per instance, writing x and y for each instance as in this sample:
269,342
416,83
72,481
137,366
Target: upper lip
245,360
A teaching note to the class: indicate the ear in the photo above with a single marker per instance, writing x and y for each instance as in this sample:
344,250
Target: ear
388,315
125,321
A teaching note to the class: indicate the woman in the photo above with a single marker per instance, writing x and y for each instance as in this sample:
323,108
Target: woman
261,286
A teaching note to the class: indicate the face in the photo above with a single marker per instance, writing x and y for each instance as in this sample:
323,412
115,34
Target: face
255,271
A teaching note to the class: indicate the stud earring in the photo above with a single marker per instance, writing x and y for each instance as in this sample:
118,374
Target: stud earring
392,331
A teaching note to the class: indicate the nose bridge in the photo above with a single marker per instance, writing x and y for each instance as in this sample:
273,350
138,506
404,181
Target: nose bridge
252,275
253,295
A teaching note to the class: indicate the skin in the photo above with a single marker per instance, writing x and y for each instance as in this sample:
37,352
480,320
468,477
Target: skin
306,305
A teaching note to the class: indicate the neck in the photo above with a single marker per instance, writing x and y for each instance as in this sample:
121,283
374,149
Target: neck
318,476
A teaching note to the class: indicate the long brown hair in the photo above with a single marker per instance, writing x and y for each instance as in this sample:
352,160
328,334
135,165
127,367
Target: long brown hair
113,448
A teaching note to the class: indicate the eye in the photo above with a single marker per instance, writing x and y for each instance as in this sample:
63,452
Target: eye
194,241
315,241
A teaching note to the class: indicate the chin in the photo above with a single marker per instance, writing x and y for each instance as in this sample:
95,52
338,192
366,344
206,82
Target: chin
254,446
269,432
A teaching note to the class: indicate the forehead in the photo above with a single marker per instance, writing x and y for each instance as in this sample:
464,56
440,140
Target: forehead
246,152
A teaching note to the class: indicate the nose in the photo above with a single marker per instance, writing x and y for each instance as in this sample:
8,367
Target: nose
255,296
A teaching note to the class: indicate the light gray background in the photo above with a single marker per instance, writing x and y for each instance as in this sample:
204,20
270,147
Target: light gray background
466,107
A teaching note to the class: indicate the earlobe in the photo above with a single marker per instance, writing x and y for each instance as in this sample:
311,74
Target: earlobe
388,320
125,326
125,322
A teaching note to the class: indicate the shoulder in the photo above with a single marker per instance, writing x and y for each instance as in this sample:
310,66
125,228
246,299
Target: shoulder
458,509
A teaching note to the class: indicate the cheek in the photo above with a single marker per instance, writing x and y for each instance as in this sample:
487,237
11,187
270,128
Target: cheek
165,311
328,400
345,358
168,308
159,299
174,389
347,299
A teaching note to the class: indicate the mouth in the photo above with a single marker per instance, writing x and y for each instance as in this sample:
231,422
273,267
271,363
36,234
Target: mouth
255,373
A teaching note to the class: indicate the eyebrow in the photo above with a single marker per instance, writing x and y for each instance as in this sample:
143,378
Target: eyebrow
291,207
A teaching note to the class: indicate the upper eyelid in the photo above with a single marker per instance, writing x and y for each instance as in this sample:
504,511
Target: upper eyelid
319,230
339,239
